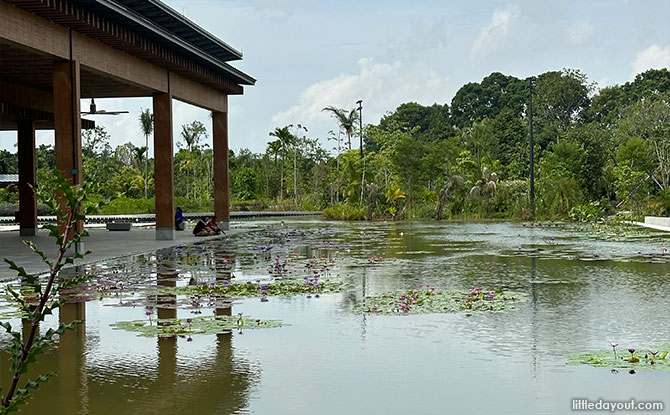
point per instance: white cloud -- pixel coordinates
(381, 86)
(654, 57)
(491, 35)
(580, 32)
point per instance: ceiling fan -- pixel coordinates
(93, 110)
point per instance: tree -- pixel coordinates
(346, 120)
(510, 143)
(649, 119)
(475, 101)
(9, 162)
(424, 123)
(246, 183)
(562, 97)
(125, 154)
(98, 159)
(192, 134)
(285, 140)
(147, 123)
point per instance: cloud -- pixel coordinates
(491, 35)
(381, 86)
(579, 33)
(654, 57)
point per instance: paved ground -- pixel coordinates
(147, 218)
(103, 244)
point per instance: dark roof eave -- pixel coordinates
(236, 75)
(175, 14)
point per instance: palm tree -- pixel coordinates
(346, 120)
(285, 139)
(147, 124)
(273, 150)
(139, 155)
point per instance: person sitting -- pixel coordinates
(214, 226)
(201, 228)
(179, 223)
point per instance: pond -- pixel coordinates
(580, 291)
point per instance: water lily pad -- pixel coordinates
(260, 288)
(193, 326)
(642, 359)
(429, 301)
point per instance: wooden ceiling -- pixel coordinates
(28, 68)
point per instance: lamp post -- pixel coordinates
(532, 169)
(360, 119)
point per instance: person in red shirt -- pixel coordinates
(214, 226)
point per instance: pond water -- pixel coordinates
(582, 292)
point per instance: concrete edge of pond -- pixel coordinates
(104, 245)
(652, 226)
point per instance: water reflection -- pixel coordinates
(380, 364)
(101, 371)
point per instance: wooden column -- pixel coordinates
(27, 177)
(67, 123)
(221, 182)
(164, 170)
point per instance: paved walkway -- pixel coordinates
(103, 245)
(143, 218)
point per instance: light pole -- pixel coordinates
(532, 169)
(360, 119)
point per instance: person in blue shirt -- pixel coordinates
(179, 223)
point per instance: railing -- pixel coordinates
(143, 218)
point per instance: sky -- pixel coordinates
(308, 54)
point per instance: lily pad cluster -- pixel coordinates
(312, 285)
(428, 300)
(615, 231)
(194, 326)
(632, 359)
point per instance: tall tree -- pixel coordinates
(346, 120)
(285, 139)
(192, 134)
(562, 96)
(147, 123)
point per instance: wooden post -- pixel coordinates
(67, 125)
(221, 182)
(164, 169)
(27, 178)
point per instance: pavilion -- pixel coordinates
(53, 53)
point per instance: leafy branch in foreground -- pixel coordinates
(35, 300)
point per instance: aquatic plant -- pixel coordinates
(429, 300)
(240, 322)
(614, 345)
(204, 325)
(285, 287)
(656, 359)
(36, 301)
(149, 312)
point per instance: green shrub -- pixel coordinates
(342, 211)
(587, 213)
(660, 205)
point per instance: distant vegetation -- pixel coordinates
(596, 151)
